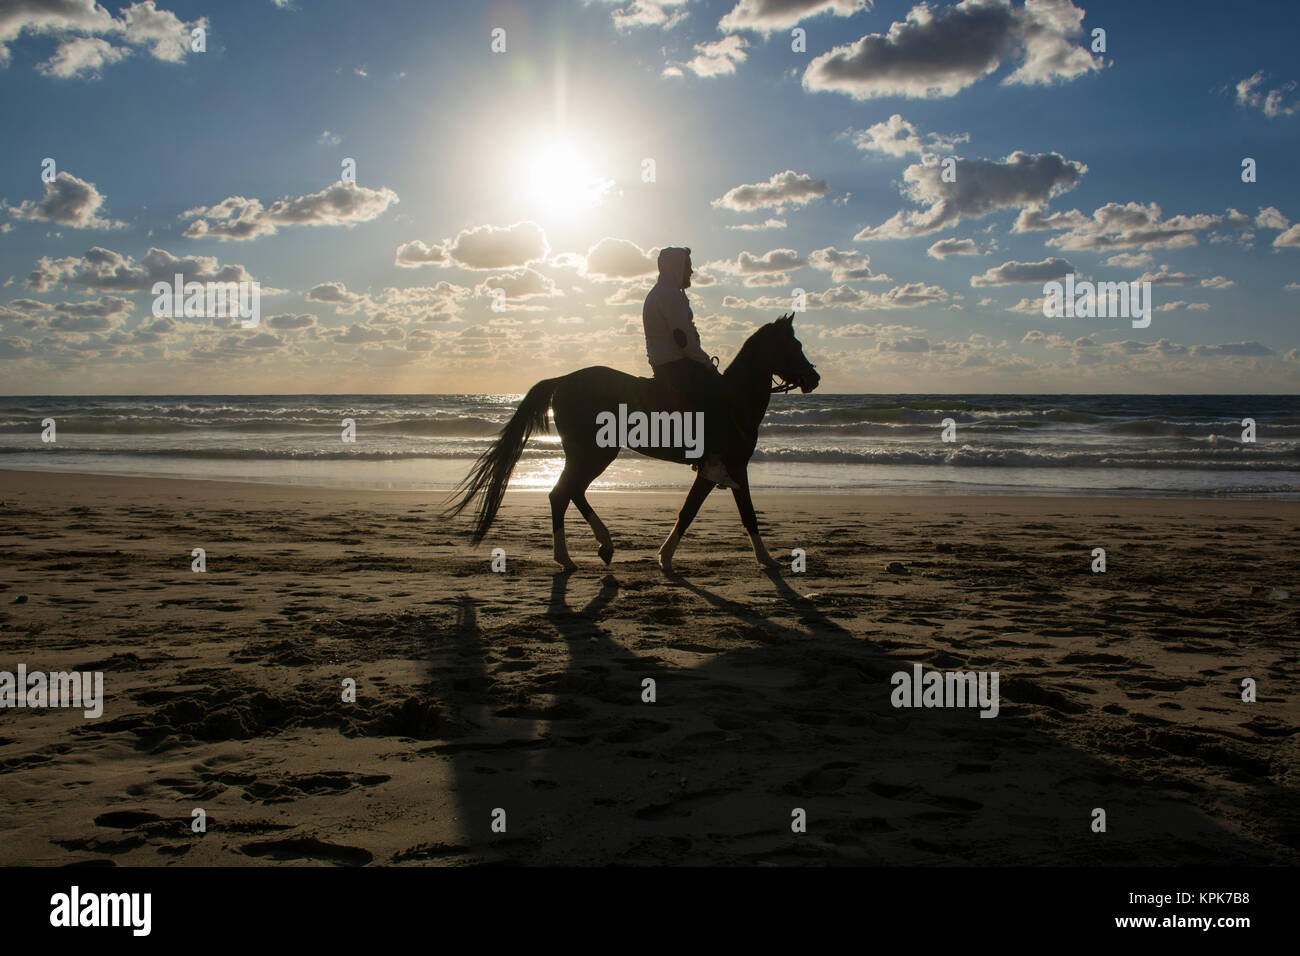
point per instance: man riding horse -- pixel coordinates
(733, 404)
(672, 344)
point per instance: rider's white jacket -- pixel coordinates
(666, 310)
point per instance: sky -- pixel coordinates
(468, 197)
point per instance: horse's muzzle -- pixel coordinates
(809, 380)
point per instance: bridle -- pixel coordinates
(780, 386)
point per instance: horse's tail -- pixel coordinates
(491, 473)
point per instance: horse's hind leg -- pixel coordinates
(690, 508)
(581, 480)
(559, 505)
(606, 549)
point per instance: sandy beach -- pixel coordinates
(479, 692)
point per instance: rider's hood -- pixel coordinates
(672, 264)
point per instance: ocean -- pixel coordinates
(1037, 444)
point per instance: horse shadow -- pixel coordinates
(792, 718)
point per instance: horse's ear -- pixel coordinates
(786, 320)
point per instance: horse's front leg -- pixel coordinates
(690, 508)
(745, 505)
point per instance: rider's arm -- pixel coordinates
(682, 324)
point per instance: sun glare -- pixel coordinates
(560, 178)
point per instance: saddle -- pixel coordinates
(657, 395)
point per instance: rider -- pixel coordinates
(673, 347)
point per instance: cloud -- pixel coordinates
(765, 16)
(91, 315)
(360, 334)
(748, 264)
(981, 186)
(638, 14)
(413, 254)
(1119, 226)
(107, 270)
(524, 284)
(1013, 272)
(86, 32)
(1129, 260)
(81, 57)
(913, 343)
(1163, 276)
(1288, 239)
(290, 322)
(335, 294)
(633, 294)
(1246, 349)
(782, 189)
(1273, 102)
(844, 265)
(940, 53)
(619, 259)
(953, 247)
(1182, 305)
(68, 201)
(908, 296)
(898, 138)
(239, 219)
(769, 223)
(498, 247)
(1270, 217)
(719, 57)
(81, 323)
(1027, 307)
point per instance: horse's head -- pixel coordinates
(784, 354)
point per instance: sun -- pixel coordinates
(560, 178)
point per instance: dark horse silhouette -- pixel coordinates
(579, 397)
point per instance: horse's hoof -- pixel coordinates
(665, 564)
(606, 553)
(566, 564)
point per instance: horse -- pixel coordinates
(578, 399)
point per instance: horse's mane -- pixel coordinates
(744, 358)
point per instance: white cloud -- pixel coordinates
(981, 186)
(498, 247)
(619, 259)
(765, 16)
(1014, 272)
(1272, 102)
(719, 57)
(937, 53)
(68, 201)
(1119, 226)
(107, 270)
(953, 247)
(844, 265)
(241, 219)
(782, 189)
(770, 223)
(898, 138)
(86, 31)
